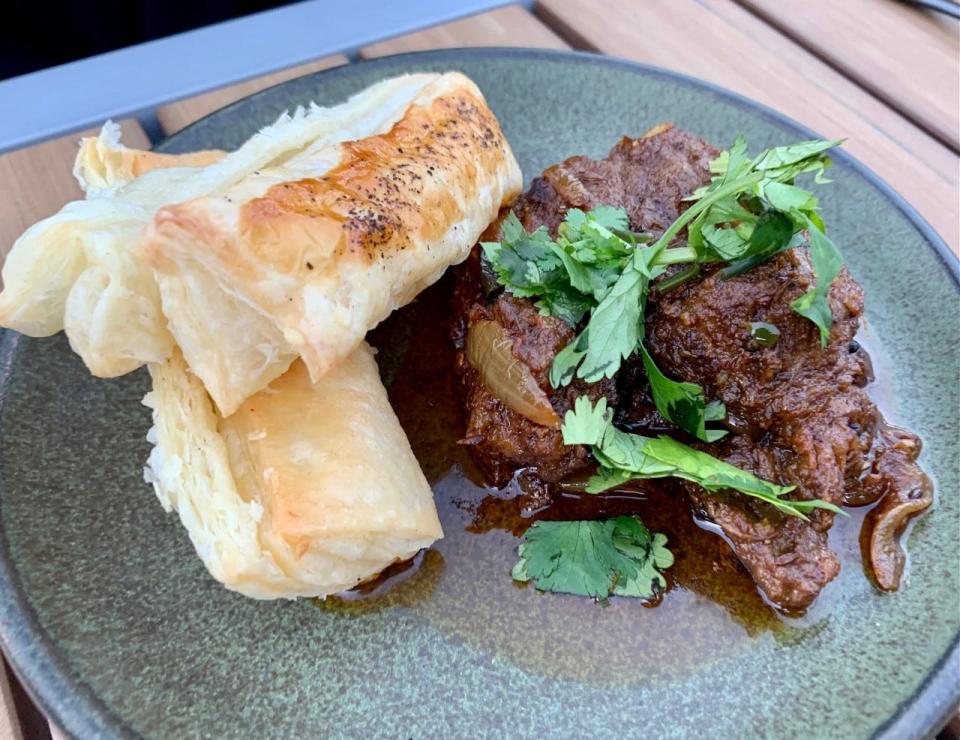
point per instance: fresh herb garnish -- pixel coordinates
(594, 558)
(764, 334)
(683, 403)
(815, 304)
(530, 266)
(570, 275)
(623, 456)
(594, 269)
(750, 211)
(764, 214)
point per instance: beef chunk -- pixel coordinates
(798, 413)
(793, 395)
(501, 440)
(648, 177)
(788, 558)
(801, 410)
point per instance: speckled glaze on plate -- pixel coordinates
(116, 628)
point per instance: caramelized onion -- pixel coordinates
(488, 351)
(908, 492)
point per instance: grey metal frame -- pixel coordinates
(137, 79)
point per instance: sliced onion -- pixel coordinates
(885, 553)
(488, 351)
(907, 494)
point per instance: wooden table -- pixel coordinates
(883, 74)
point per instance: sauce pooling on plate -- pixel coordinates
(415, 355)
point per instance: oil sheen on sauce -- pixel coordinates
(711, 609)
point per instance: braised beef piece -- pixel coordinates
(795, 395)
(798, 412)
(801, 414)
(502, 440)
(648, 177)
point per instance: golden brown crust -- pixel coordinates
(140, 162)
(308, 489)
(386, 190)
(302, 259)
(103, 162)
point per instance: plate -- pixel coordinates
(116, 628)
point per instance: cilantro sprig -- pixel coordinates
(756, 210)
(751, 210)
(623, 456)
(569, 276)
(595, 266)
(594, 558)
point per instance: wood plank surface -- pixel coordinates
(736, 49)
(9, 724)
(175, 116)
(508, 26)
(40, 180)
(908, 58)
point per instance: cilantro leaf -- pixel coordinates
(788, 198)
(531, 265)
(614, 329)
(565, 304)
(569, 557)
(771, 233)
(658, 559)
(567, 276)
(511, 229)
(565, 364)
(623, 456)
(594, 558)
(815, 304)
(607, 477)
(715, 411)
(786, 162)
(681, 403)
(610, 217)
(577, 271)
(740, 266)
(586, 423)
(521, 260)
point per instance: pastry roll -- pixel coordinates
(307, 490)
(302, 258)
(103, 161)
(115, 165)
(79, 270)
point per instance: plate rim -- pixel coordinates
(74, 707)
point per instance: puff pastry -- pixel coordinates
(302, 258)
(297, 496)
(103, 161)
(307, 490)
(78, 270)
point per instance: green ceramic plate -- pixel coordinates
(116, 628)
